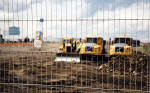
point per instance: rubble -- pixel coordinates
(38, 72)
(135, 64)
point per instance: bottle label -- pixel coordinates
(39, 35)
(38, 39)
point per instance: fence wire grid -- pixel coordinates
(74, 46)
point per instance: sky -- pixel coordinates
(59, 13)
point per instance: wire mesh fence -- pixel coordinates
(74, 46)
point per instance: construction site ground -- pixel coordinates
(24, 69)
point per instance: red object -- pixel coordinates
(15, 44)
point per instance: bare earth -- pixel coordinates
(26, 69)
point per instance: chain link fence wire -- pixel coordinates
(31, 34)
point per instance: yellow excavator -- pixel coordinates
(67, 45)
(69, 49)
(121, 46)
(92, 48)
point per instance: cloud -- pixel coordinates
(15, 6)
(103, 5)
(124, 27)
(77, 9)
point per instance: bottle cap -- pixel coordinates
(41, 20)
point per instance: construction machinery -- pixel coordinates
(69, 50)
(92, 48)
(69, 45)
(121, 46)
(136, 43)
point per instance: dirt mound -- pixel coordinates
(136, 64)
(38, 72)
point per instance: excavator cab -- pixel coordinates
(68, 50)
(67, 45)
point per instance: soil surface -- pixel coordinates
(37, 72)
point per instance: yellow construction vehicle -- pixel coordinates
(69, 45)
(121, 46)
(92, 47)
(69, 50)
